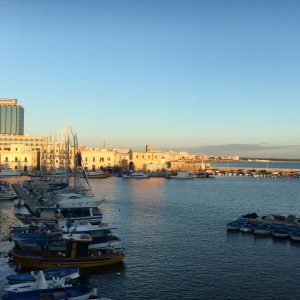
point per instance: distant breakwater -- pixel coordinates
(289, 166)
(258, 169)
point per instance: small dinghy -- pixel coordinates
(79, 292)
(61, 273)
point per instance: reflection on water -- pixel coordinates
(176, 242)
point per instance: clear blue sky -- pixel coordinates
(218, 76)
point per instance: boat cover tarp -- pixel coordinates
(250, 216)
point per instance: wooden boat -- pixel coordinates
(78, 253)
(80, 292)
(64, 272)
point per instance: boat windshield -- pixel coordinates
(76, 212)
(96, 211)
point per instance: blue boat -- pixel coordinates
(262, 230)
(247, 228)
(295, 236)
(79, 292)
(233, 226)
(280, 233)
(64, 272)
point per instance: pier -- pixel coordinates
(29, 200)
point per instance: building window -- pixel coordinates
(108, 159)
(93, 159)
(137, 156)
(142, 156)
(155, 156)
(6, 159)
(16, 149)
(86, 159)
(16, 159)
(148, 156)
(25, 159)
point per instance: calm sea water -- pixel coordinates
(176, 242)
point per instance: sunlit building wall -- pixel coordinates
(94, 158)
(18, 157)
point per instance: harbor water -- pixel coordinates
(177, 246)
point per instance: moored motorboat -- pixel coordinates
(70, 272)
(136, 175)
(247, 228)
(233, 226)
(49, 215)
(80, 292)
(262, 230)
(204, 175)
(96, 174)
(295, 236)
(39, 283)
(182, 175)
(280, 233)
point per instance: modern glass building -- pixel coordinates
(11, 117)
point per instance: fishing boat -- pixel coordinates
(101, 234)
(70, 272)
(136, 175)
(78, 253)
(96, 174)
(50, 237)
(79, 292)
